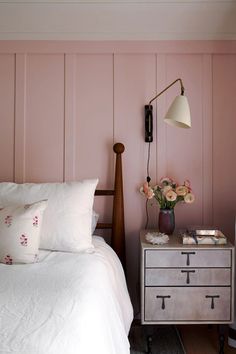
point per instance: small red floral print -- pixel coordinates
(35, 221)
(8, 220)
(8, 259)
(23, 240)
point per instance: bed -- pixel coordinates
(62, 291)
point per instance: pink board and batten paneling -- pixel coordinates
(134, 82)
(7, 104)
(39, 132)
(64, 104)
(185, 148)
(224, 141)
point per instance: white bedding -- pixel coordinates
(67, 303)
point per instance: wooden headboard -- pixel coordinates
(117, 225)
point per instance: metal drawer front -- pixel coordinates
(187, 304)
(188, 258)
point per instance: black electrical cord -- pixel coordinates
(148, 162)
(147, 216)
(148, 181)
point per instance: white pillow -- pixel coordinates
(68, 217)
(20, 232)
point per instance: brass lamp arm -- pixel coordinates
(159, 94)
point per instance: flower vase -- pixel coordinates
(166, 221)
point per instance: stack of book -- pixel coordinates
(203, 237)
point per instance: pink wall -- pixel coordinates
(63, 104)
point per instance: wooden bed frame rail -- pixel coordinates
(117, 225)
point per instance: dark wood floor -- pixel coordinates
(202, 339)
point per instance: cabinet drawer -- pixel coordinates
(187, 304)
(188, 257)
(188, 277)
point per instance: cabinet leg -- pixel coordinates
(222, 331)
(149, 344)
(221, 343)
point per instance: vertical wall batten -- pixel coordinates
(64, 122)
(113, 100)
(14, 125)
(70, 117)
(207, 139)
(20, 117)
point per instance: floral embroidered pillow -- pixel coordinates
(20, 232)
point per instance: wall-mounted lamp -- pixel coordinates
(177, 115)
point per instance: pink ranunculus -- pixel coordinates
(166, 189)
(187, 183)
(189, 198)
(145, 187)
(147, 192)
(181, 190)
(166, 180)
(171, 196)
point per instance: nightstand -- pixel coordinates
(184, 284)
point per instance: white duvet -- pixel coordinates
(67, 303)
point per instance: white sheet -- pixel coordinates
(67, 303)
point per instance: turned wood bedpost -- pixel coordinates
(118, 227)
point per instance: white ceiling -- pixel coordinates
(118, 20)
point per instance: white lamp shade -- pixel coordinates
(178, 114)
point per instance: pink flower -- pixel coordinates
(8, 259)
(181, 190)
(189, 198)
(147, 191)
(8, 220)
(168, 193)
(23, 240)
(166, 189)
(166, 180)
(35, 221)
(171, 196)
(145, 187)
(187, 183)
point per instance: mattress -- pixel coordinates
(67, 303)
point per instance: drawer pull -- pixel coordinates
(188, 278)
(187, 254)
(163, 297)
(212, 297)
